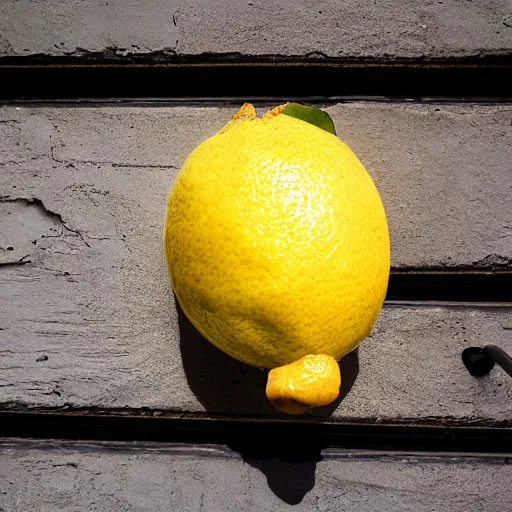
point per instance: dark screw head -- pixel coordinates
(476, 361)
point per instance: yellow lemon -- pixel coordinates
(277, 247)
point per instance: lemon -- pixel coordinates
(277, 247)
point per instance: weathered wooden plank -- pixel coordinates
(107, 170)
(104, 357)
(87, 314)
(166, 29)
(135, 476)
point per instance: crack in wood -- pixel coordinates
(21, 261)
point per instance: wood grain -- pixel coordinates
(167, 30)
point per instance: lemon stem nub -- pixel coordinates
(312, 381)
(247, 111)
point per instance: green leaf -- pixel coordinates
(311, 115)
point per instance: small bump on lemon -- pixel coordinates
(312, 381)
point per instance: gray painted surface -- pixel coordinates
(49, 476)
(107, 172)
(85, 284)
(326, 29)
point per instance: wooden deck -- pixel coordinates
(88, 324)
